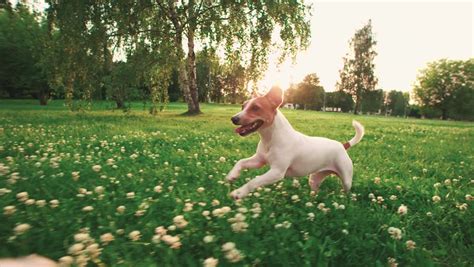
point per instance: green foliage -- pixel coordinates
(121, 84)
(308, 94)
(446, 88)
(339, 99)
(397, 103)
(22, 48)
(357, 75)
(242, 30)
(372, 101)
(414, 159)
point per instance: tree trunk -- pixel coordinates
(182, 73)
(43, 98)
(357, 104)
(192, 82)
(119, 103)
(444, 114)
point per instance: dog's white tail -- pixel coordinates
(358, 136)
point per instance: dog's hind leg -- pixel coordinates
(317, 178)
(345, 171)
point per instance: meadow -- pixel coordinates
(104, 187)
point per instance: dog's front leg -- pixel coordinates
(253, 162)
(271, 176)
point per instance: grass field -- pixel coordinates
(100, 184)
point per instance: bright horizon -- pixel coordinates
(408, 35)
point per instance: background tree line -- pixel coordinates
(144, 50)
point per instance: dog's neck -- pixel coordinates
(279, 129)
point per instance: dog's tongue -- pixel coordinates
(240, 130)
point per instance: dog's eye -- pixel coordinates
(255, 108)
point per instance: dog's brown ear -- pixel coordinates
(275, 96)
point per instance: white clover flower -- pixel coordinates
(233, 256)
(345, 231)
(172, 227)
(309, 204)
(41, 203)
(462, 206)
(75, 175)
(188, 207)
(54, 203)
(160, 230)
(110, 162)
(96, 168)
(156, 239)
(311, 216)
(402, 210)
(286, 224)
(30, 202)
(131, 195)
(172, 241)
(21, 228)
(134, 235)
(393, 197)
(371, 196)
(4, 191)
(210, 262)
(121, 209)
(66, 261)
(222, 159)
(392, 262)
(81, 237)
(76, 249)
(380, 199)
(99, 189)
(215, 202)
(107, 238)
(295, 198)
(296, 183)
(377, 180)
(395, 233)
(179, 221)
(228, 246)
(436, 199)
(410, 244)
(469, 197)
(158, 189)
(23, 196)
(9, 210)
(88, 208)
(436, 185)
(208, 239)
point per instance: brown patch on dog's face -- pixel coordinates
(258, 112)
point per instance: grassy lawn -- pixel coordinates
(111, 174)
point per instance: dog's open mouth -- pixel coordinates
(249, 128)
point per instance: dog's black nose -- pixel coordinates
(235, 119)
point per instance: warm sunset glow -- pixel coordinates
(403, 45)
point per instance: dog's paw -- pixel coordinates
(239, 193)
(232, 176)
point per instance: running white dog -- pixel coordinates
(288, 152)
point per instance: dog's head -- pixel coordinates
(258, 112)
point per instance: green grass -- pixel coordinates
(44, 145)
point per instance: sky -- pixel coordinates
(408, 35)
